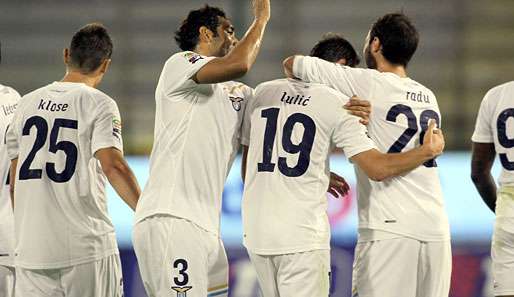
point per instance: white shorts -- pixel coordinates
(7, 280)
(93, 279)
(402, 267)
(502, 252)
(176, 256)
(305, 274)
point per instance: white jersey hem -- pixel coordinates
(64, 264)
(158, 212)
(445, 237)
(285, 251)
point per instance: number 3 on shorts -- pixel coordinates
(183, 277)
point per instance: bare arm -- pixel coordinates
(288, 67)
(243, 162)
(241, 58)
(379, 166)
(482, 161)
(119, 175)
(12, 179)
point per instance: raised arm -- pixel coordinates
(241, 58)
(379, 166)
(120, 175)
(481, 163)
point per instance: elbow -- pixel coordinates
(378, 175)
(241, 69)
(288, 66)
(476, 177)
(114, 168)
(288, 63)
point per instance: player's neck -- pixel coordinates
(396, 69)
(204, 49)
(77, 77)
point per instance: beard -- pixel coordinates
(371, 62)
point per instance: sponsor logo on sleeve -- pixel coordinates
(193, 57)
(116, 128)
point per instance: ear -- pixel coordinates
(105, 65)
(341, 62)
(66, 56)
(206, 34)
(376, 46)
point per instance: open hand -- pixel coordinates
(338, 186)
(359, 107)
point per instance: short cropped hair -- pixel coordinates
(398, 37)
(90, 47)
(188, 34)
(333, 47)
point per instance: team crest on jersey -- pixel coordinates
(193, 57)
(182, 291)
(116, 128)
(236, 102)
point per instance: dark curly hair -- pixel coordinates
(398, 37)
(89, 47)
(187, 35)
(333, 47)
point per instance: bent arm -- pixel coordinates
(379, 166)
(481, 163)
(241, 58)
(119, 175)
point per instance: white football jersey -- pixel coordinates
(8, 102)
(409, 205)
(60, 205)
(291, 127)
(495, 124)
(196, 138)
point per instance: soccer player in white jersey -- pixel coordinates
(494, 134)
(291, 128)
(199, 114)
(403, 226)
(65, 143)
(8, 101)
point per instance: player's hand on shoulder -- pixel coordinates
(359, 107)
(338, 186)
(433, 141)
(261, 10)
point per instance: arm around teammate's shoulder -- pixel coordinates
(120, 175)
(242, 57)
(379, 166)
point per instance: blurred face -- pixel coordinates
(371, 61)
(226, 38)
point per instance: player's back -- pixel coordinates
(411, 204)
(495, 125)
(291, 128)
(60, 203)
